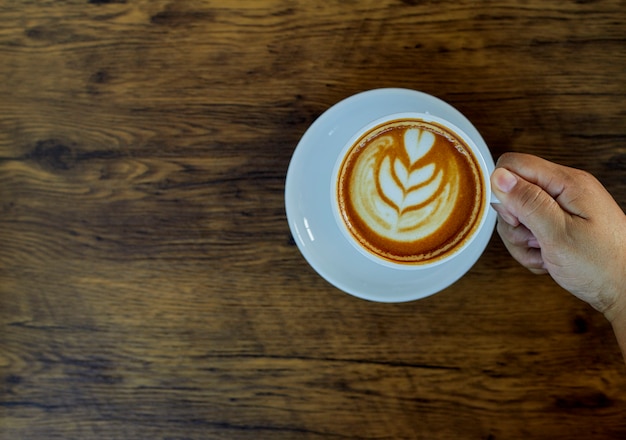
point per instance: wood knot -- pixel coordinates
(589, 400)
(100, 77)
(580, 325)
(176, 17)
(617, 162)
(52, 153)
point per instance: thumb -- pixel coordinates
(528, 203)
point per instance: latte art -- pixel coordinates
(410, 191)
(403, 195)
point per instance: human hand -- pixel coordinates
(562, 221)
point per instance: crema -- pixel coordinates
(410, 191)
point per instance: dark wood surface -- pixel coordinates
(149, 284)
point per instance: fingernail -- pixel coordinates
(504, 180)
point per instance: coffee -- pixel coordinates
(410, 192)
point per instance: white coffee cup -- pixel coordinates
(465, 140)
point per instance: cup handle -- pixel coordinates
(493, 200)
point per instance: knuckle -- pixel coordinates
(583, 175)
(533, 199)
(576, 178)
(581, 190)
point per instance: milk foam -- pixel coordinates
(399, 191)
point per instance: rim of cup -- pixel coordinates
(428, 118)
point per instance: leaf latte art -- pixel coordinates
(410, 191)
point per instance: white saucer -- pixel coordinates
(311, 219)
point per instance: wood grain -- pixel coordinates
(149, 285)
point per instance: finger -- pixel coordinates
(530, 204)
(529, 257)
(518, 235)
(505, 215)
(571, 188)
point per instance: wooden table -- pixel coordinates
(149, 284)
